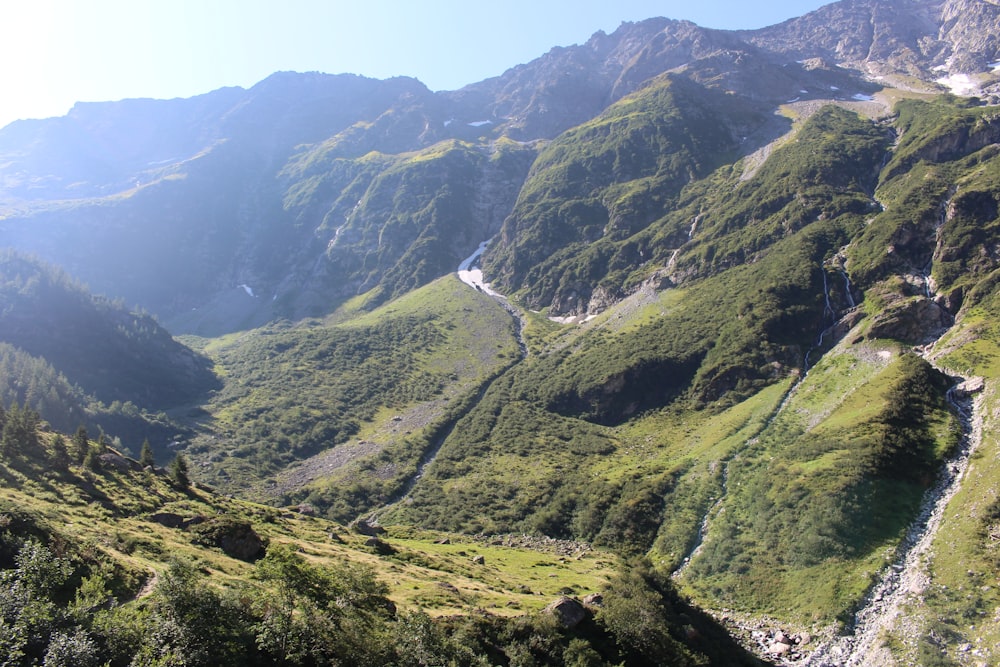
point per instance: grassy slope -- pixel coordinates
(570, 444)
(394, 400)
(957, 604)
(107, 512)
(532, 457)
(793, 542)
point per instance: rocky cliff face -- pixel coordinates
(239, 206)
(951, 43)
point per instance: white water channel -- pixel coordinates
(470, 273)
(907, 575)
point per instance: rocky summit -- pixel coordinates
(678, 346)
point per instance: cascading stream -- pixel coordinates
(829, 315)
(470, 274)
(906, 575)
(847, 290)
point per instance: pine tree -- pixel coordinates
(91, 460)
(20, 431)
(60, 452)
(81, 442)
(102, 442)
(146, 458)
(179, 472)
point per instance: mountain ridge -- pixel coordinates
(717, 264)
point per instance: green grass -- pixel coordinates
(512, 581)
(806, 502)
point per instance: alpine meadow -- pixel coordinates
(677, 347)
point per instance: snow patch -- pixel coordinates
(861, 97)
(959, 84)
(480, 123)
(995, 66)
(834, 88)
(248, 290)
(449, 122)
(470, 273)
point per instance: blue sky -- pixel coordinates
(54, 53)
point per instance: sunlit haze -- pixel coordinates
(58, 52)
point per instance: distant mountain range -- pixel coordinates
(747, 328)
(194, 197)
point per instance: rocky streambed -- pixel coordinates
(907, 577)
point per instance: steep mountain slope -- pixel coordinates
(84, 360)
(948, 40)
(749, 324)
(254, 184)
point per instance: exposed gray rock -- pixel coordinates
(915, 321)
(365, 527)
(568, 611)
(971, 386)
(117, 461)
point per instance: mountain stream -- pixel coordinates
(830, 319)
(470, 274)
(907, 576)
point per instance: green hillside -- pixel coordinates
(108, 563)
(732, 361)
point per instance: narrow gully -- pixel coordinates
(470, 274)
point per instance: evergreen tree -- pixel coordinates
(146, 458)
(179, 472)
(10, 433)
(60, 452)
(81, 442)
(91, 460)
(20, 431)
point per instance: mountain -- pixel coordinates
(84, 360)
(738, 317)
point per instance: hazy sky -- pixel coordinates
(57, 52)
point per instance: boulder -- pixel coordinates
(365, 527)
(779, 649)
(567, 611)
(167, 519)
(111, 460)
(244, 544)
(593, 600)
(236, 538)
(381, 547)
